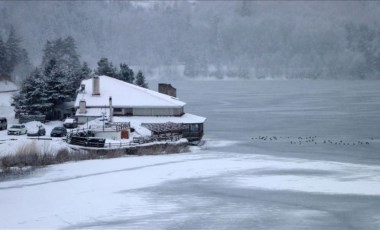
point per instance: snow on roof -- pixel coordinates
(124, 95)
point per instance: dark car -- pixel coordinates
(38, 131)
(58, 132)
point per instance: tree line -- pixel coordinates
(12, 56)
(57, 79)
(252, 39)
(124, 73)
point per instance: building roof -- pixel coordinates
(124, 95)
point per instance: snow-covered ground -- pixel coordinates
(7, 86)
(199, 190)
(11, 144)
(248, 175)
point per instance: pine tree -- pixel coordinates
(140, 80)
(56, 86)
(11, 54)
(106, 67)
(85, 72)
(63, 51)
(24, 68)
(126, 74)
(48, 53)
(55, 82)
(2, 60)
(13, 51)
(66, 64)
(32, 98)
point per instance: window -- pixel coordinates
(128, 111)
(194, 128)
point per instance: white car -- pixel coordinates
(70, 123)
(17, 129)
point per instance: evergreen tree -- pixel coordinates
(24, 68)
(13, 51)
(48, 53)
(126, 74)
(3, 72)
(56, 87)
(63, 51)
(106, 67)
(70, 55)
(32, 98)
(365, 42)
(11, 55)
(55, 82)
(140, 80)
(85, 72)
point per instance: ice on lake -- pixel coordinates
(278, 155)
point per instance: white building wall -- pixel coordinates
(114, 135)
(142, 112)
(82, 120)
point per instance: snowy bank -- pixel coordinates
(32, 155)
(6, 86)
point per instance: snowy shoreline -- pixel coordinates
(33, 158)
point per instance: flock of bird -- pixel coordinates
(310, 140)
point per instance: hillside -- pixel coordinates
(292, 39)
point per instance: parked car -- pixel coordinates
(70, 123)
(3, 123)
(58, 132)
(17, 129)
(38, 131)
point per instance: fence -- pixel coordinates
(85, 137)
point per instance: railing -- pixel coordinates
(193, 136)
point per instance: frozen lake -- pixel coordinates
(279, 155)
(346, 111)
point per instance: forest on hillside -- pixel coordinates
(246, 39)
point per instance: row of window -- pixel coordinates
(148, 111)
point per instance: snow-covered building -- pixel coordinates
(119, 101)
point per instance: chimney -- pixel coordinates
(82, 107)
(167, 89)
(111, 110)
(82, 87)
(95, 86)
